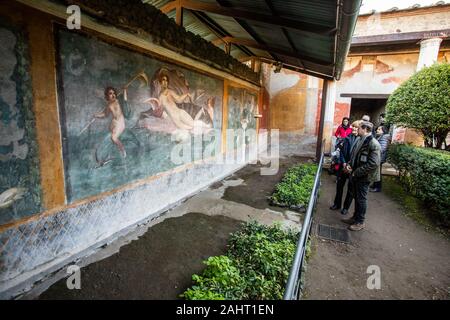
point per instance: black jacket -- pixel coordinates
(346, 148)
(365, 161)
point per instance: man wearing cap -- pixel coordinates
(363, 169)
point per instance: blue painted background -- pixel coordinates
(20, 191)
(87, 66)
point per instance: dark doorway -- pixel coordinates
(371, 107)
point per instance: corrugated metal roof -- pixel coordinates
(193, 25)
(157, 3)
(271, 35)
(317, 11)
(258, 6)
(317, 46)
(304, 35)
(231, 26)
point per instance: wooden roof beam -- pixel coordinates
(284, 52)
(174, 5)
(216, 29)
(295, 68)
(169, 7)
(248, 15)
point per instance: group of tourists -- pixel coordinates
(361, 150)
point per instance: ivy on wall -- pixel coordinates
(137, 17)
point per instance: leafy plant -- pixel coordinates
(425, 173)
(256, 266)
(423, 102)
(220, 280)
(264, 254)
(295, 188)
(199, 293)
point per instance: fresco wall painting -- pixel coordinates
(123, 112)
(20, 191)
(242, 108)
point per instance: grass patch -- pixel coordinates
(412, 207)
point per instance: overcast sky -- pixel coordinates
(383, 5)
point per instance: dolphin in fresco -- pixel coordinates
(10, 196)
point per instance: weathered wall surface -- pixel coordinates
(92, 187)
(379, 74)
(288, 101)
(427, 20)
(371, 75)
(295, 99)
(294, 110)
(418, 20)
(242, 106)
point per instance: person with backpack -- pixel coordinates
(342, 176)
(341, 133)
(363, 168)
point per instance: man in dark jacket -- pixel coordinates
(342, 177)
(363, 169)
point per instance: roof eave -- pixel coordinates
(347, 15)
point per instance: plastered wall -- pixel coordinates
(377, 74)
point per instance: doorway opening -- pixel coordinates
(371, 107)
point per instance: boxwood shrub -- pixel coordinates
(256, 266)
(425, 173)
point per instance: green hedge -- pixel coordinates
(422, 102)
(295, 188)
(426, 174)
(256, 266)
